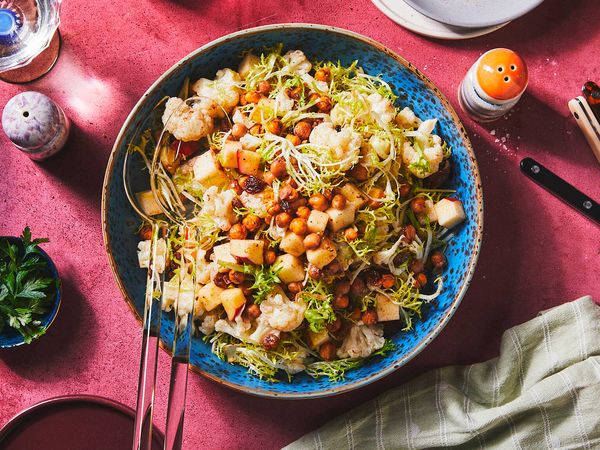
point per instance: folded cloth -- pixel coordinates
(543, 391)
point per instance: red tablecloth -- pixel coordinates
(536, 252)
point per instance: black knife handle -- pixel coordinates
(563, 190)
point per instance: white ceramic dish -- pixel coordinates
(411, 19)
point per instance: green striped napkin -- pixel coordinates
(543, 391)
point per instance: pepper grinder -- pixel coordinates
(493, 85)
(35, 124)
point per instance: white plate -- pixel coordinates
(473, 13)
(413, 20)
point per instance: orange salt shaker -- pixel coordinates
(493, 85)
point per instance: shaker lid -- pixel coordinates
(502, 74)
(31, 120)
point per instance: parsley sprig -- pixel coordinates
(26, 286)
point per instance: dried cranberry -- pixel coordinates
(373, 278)
(222, 280)
(253, 185)
(270, 341)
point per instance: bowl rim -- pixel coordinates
(57, 293)
(457, 122)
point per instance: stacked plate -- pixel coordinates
(454, 19)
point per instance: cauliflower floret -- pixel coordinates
(249, 61)
(224, 89)
(433, 154)
(250, 142)
(382, 109)
(351, 106)
(262, 329)
(205, 270)
(282, 314)
(297, 62)
(208, 324)
(283, 103)
(218, 205)
(241, 118)
(257, 203)
(189, 123)
(407, 118)
(361, 341)
(314, 85)
(144, 254)
(344, 143)
(238, 329)
(170, 293)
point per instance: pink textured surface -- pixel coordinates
(537, 252)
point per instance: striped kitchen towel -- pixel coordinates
(543, 391)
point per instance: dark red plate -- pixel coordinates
(81, 422)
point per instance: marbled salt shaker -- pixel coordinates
(35, 124)
(493, 85)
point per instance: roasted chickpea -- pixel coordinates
(256, 130)
(238, 231)
(438, 261)
(333, 268)
(314, 272)
(294, 287)
(283, 219)
(237, 203)
(358, 288)
(374, 194)
(243, 101)
(269, 257)
(288, 193)
(275, 126)
(356, 315)
(251, 222)
(341, 301)
(338, 201)
(318, 202)
(252, 312)
(270, 341)
(299, 226)
(303, 212)
(369, 317)
(269, 178)
(324, 104)
(388, 281)
(312, 241)
(420, 281)
(146, 232)
(296, 92)
(351, 234)
(273, 210)
(252, 97)
(314, 97)
(416, 266)
(264, 87)
(323, 74)
(359, 172)
(238, 130)
(334, 326)
(341, 287)
(278, 168)
(236, 277)
(418, 205)
(409, 233)
(302, 129)
(294, 139)
(327, 351)
(291, 182)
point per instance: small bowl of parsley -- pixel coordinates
(29, 290)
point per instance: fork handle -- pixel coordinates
(176, 409)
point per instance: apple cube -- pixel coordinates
(222, 253)
(248, 162)
(315, 340)
(322, 255)
(292, 243)
(317, 221)
(341, 218)
(208, 172)
(263, 111)
(290, 268)
(449, 212)
(233, 301)
(210, 296)
(247, 250)
(228, 156)
(147, 202)
(354, 196)
(249, 61)
(386, 309)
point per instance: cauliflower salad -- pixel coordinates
(321, 209)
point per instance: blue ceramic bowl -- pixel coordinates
(9, 336)
(415, 90)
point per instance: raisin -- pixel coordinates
(253, 185)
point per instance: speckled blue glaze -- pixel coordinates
(9, 336)
(323, 43)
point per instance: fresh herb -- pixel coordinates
(318, 298)
(26, 287)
